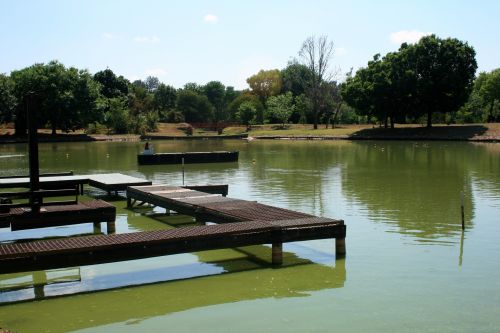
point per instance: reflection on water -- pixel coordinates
(405, 248)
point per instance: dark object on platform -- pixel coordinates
(189, 157)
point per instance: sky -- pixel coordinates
(228, 41)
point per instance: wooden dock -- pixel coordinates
(95, 211)
(188, 157)
(106, 181)
(243, 223)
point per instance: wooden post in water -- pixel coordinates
(340, 246)
(31, 116)
(462, 209)
(97, 227)
(183, 171)
(110, 225)
(277, 253)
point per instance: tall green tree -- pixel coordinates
(66, 97)
(195, 107)
(112, 85)
(296, 78)
(164, 99)
(7, 99)
(215, 92)
(265, 84)
(281, 107)
(234, 106)
(445, 70)
(246, 113)
(490, 93)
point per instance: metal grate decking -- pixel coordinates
(244, 223)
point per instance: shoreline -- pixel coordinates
(138, 138)
(467, 133)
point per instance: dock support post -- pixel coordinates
(39, 282)
(110, 225)
(340, 246)
(277, 253)
(97, 227)
(129, 202)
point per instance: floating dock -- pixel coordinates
(95, 211)
(106, 181)
(188, 157)
(244, 223)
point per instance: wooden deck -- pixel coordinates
(70, 252)
(243, 223)
(94, 211)
(105, 181)
(207, 207)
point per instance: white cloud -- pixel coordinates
(407, 36)
(210, 18)
(147, 39)
(108, 35)
(340, 51)
(156, 72)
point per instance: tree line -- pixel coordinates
(429, 81)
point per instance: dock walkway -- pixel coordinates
(243, 223)
(106, 181)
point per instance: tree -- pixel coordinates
(233, 107)
(195, 87)
(111, 85)
(215, 92)
(194, 107)
(296, 78)
(265, 84)
(7, 98)
(152, 83)
(66, 97)
(164, 100)
(117, 117)
(246, 113)
(316, 54)
(444, 69)
(490, 93)
(281, 107)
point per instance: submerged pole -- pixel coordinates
(462, 209)
(31, 116)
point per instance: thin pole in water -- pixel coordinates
(462, 209)
(183, 171)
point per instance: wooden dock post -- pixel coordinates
(340, 246)
(97, 227)
(110, 225)
(277, 253)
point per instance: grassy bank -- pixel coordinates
(469, 132)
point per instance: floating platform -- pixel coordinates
(243, 223)
(94, 211)
(188, 157)
(106, 181)
(70, 252)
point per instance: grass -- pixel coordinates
(479, 132)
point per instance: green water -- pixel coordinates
(409, 267)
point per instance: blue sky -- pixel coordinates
(200, 41)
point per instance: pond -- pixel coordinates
(409, 267)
